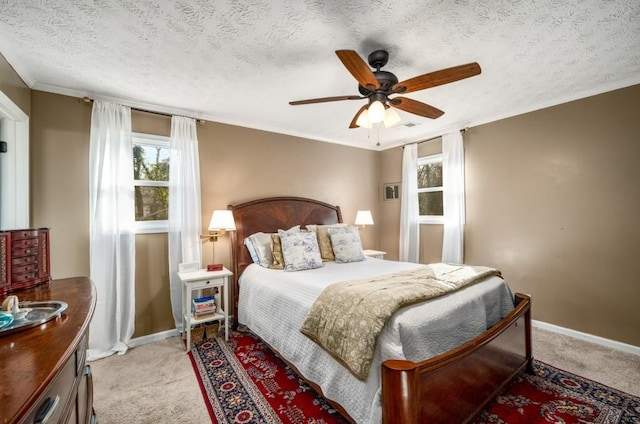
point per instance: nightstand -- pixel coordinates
(374, 253)
(200, 280)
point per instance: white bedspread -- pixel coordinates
(274, 304)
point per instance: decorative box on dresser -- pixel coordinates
(24, 259)
(43, 374)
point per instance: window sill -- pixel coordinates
(438, 220)
(151, 227)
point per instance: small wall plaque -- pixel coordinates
(188, 266)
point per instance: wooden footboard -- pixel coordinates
(454, 387)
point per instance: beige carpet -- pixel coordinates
(155, 383)
(611, 367)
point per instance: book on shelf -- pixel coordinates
(203, 306)
(204, 315)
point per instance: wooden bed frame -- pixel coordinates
(450, 388)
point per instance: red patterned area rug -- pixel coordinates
(242, 381)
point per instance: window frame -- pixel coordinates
(157, 226)
(426, 160)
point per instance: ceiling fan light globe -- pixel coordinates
(363, 120)
(391, 118)
(376, 112)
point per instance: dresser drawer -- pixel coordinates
(20, 244)
(23, 269)
(52, 404)
(25, 260)
(24, 251)
(19, 278)
(24, 234)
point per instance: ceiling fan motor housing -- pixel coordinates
(386, 80)
(377, 59)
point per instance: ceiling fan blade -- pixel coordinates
(325, 99)
(355, 118)
(434, 79)
(416, 107)
(358, 68)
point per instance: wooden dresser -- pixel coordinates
(24, 259)
(43, 369)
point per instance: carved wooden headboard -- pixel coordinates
(269, 215)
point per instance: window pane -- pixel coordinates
(430, 175)
(430, 203)
(152, 203)
(150, 162)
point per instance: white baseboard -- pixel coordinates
(587, 337)
(155, 337)
(635, 350)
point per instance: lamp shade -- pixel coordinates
(376, 112)
(391, 117)
(364, 218)
(222, 220)
(363, 120)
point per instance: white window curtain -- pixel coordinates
(112, 236)
(409, 212)
(453, 199)
(185, 214)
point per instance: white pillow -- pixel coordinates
(300, 251)
(259, 245)
(346, 244)
(252, 250)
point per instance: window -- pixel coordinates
(430, 190)
(151, 182)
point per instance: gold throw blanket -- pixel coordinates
(347, 318)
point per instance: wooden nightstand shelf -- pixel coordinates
(374, 253)
(200, 280)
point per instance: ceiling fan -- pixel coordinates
(377, 86)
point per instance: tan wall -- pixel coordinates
(13, 87)
(59, 174)
(552, 200)
(237, 164)
(153, 301)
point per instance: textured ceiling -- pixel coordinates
(241, 62)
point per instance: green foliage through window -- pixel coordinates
(430, 202)
(151, 174)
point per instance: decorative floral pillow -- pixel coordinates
(324, 241)
(276, 247)
(346, 243)
(300, 251)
